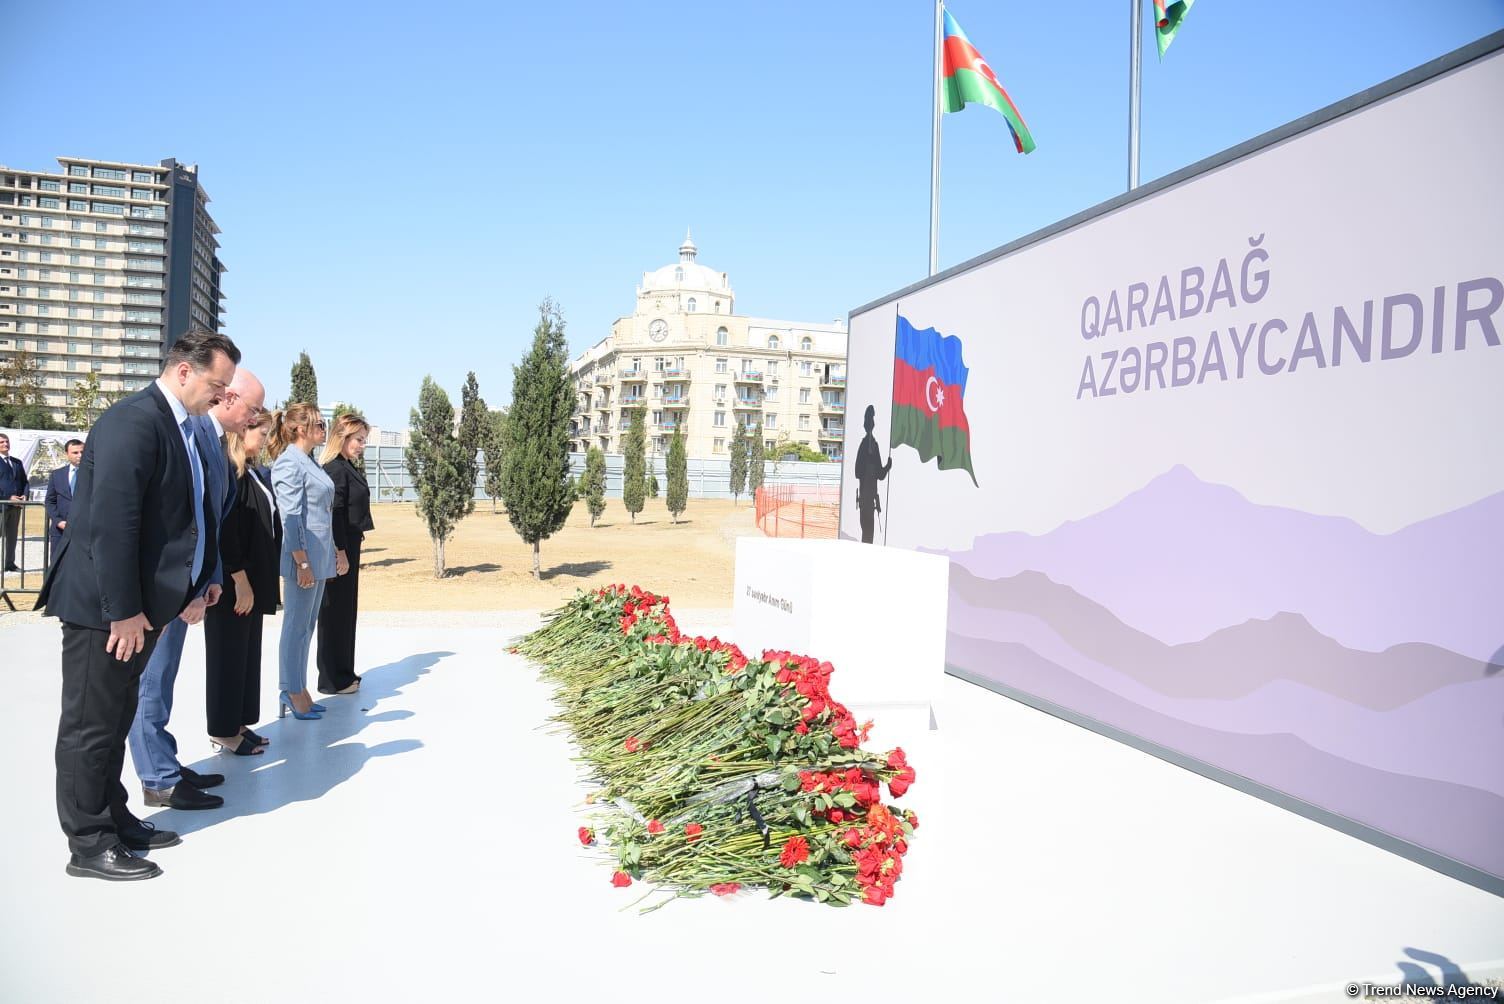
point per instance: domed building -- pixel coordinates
(687, 358)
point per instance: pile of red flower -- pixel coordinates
(720, 772)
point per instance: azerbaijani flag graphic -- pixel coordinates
(968, 79)
(929, 384)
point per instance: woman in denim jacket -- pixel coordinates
(305, 500)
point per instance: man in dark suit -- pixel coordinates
(12, 489)
(138, 548)
(164, 780)
(60, 495)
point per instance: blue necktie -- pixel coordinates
(72, 479)
(198, 499)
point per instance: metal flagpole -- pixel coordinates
(1135, 72)
(935, 141)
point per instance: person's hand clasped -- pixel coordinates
(212, 595)
(127, 637)
(194, 612)
(245, 597)
(305, 578)
(341, 563)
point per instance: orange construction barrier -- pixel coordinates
(812, 511)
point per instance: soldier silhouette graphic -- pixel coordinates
(870, 469)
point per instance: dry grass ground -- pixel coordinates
(490, 568)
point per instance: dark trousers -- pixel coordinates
(99, 703)
(232, 688)
(12, 529)
(337, 625)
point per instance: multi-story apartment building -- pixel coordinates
(687, 358)
(103, 265)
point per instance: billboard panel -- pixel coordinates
(1219, 469)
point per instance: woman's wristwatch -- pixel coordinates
(302, 566)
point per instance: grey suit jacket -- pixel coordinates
(305, 500)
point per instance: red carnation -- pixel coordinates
(587, 836)
(794, 852)
(726, 888)
(655, 827)
(621, 880)
(632, 745)
(693, 831)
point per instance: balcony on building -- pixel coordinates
(831, 377)
(746, 403)
(602, 377)
(832, 432)
(832, 407)
(749, 376)
(675, 375)
(676, 400)
(633, 376)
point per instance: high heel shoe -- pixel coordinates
(286, 705)
(315, 706)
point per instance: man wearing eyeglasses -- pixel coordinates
(164, 780)
(142, 534)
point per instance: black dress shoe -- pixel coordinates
(145, 836)
(201, 781)
(181, 796)
(114, 865)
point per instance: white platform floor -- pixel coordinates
(418, 845)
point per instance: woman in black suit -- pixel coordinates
(250, 545)
(352, 520)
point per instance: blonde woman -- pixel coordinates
(305, 500)
(352, 520)
(250, 548)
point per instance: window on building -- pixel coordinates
(718, 306)
(75, 224)
(657, 419)
(100, 244)
(48, 185)
(720, 366)
(770, 420)
(659, 363)
(141, 193)
(98, 313)
(678, 274)
(720, 419)
(143, 176)
(100, 261)
(720, 392)
(804, 367)
(722, 336)
(772, 341)
(100, 227)
(109, 173)
(803, 422)
(773, 368)
(78, 171)
(719, 447)
(691, 305)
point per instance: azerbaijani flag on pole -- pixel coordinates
(929, 384)
(1167, 17)
(967, 79)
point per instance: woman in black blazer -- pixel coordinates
(352, 520)
(250, 545)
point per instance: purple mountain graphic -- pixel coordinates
(1181, 559)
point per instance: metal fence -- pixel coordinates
(24, 541)
(808, 511)
(386, 470)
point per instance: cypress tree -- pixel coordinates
(756, 455)
(436, 463)
(634, 477)
(678, 475)
(494, 444)
(473, 425)
(595, 482)
(738, 462)
(536, 485)
(305, 383)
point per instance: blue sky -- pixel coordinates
(400, 184)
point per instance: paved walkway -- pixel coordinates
(418, 845)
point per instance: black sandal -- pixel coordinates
(253, 737)
(244, 748)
